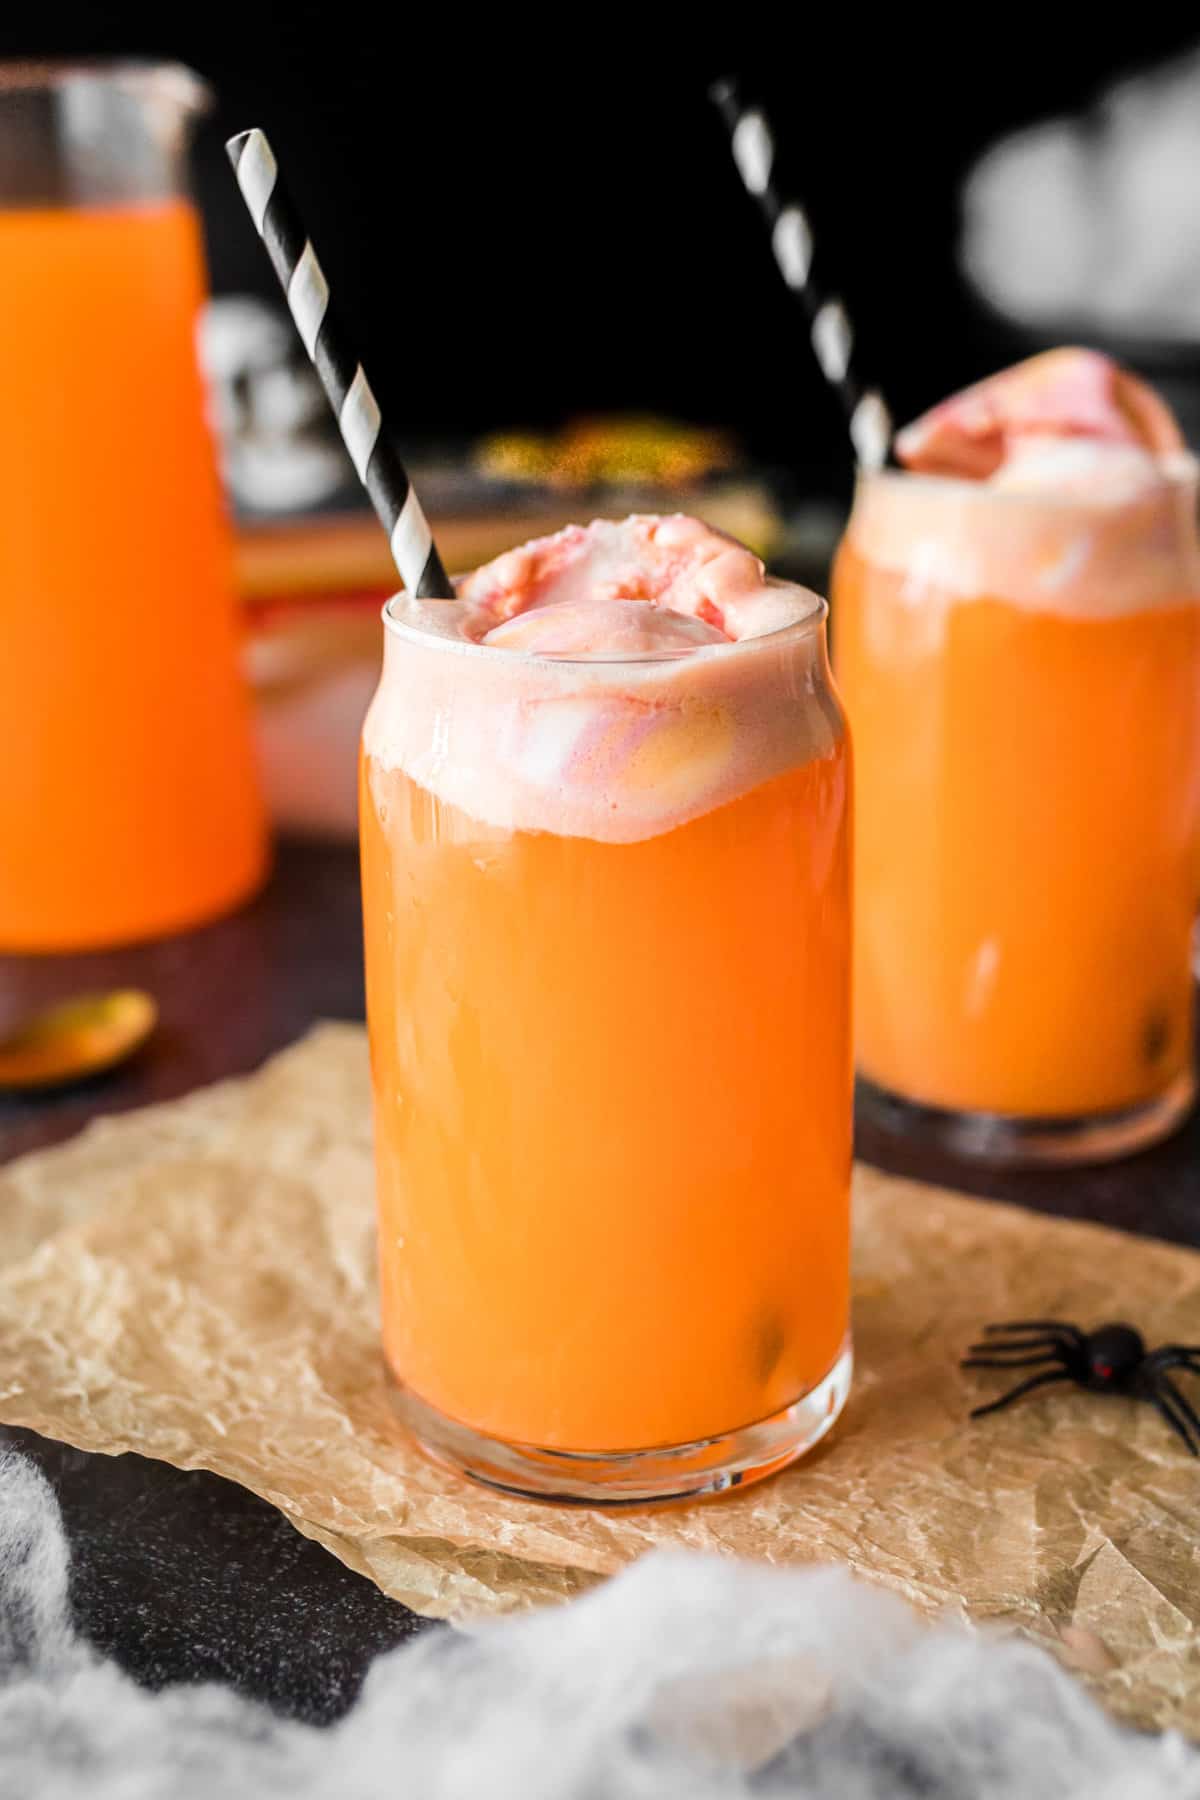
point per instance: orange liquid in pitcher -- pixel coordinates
(129, 803)
(612, 1112)
(1025, 815)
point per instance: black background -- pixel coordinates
(526, 221)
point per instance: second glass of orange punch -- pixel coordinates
(1017, 637)
(605, 798)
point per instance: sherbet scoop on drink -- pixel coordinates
(1062, 484)
(1061, 419)
(622, 678)
(614, 588)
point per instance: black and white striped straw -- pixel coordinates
(829, 327)
(372, 451)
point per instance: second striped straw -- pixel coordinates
(347, 389)
(830, 332)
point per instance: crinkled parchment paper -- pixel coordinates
(196, 1283)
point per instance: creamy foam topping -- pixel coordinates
(613, 681)
(1061, 485)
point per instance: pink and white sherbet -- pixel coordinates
(614, 681)
(1067, 394)
(1062, 484)
(632, 587)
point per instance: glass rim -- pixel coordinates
(160, 77)
(1178, 471)
(810, 623)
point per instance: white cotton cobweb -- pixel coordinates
(686, 1678)
(1092, 219)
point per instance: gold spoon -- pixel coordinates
(75, 1038)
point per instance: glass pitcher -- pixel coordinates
(129, 801)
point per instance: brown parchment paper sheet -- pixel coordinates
(196, 1282)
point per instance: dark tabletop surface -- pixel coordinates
(183, 1576)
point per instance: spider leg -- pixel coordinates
(1159, 1400)
(1071, 1332)
(1172, 1356)
(1164, 1388)
(1023, 1387)
(1008, 1362)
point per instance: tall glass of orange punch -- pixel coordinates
(606, 877)
(1017, 635)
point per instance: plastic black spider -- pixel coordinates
(1110, 1360)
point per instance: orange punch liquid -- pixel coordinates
(129, 805)
(612, 1079)
(1028, 753)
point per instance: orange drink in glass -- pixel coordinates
(131, 804)
(1021, 666)
(606, 900)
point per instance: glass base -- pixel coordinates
(1008, 1142)
(633, 1477)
